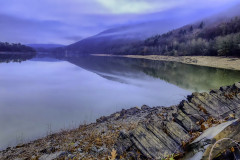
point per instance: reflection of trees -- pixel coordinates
(15, 57)
(191, 77)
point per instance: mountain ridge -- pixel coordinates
(130, 39)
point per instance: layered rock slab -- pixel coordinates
(168, 130)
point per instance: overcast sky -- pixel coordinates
(67, 21)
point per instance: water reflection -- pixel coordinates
(6, 57)
(46, 94)
(191, 77)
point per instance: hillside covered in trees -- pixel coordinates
(14, 47)
(220, 38)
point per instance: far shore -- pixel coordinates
(232, 63)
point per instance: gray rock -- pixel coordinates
(48, 150)
(132, 111)
(101, 119)
(145, 107)
(237, 85)
(102, 149)
(71, 156)
(51, 156)
(76, 144)
(94, 149)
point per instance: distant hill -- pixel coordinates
(111, 40)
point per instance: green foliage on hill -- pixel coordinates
(14, 47)
(218, 39)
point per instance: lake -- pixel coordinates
(40, 96)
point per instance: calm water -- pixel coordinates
(42, 95)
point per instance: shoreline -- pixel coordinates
(120, 135)
(207, 61)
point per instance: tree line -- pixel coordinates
(14, 47)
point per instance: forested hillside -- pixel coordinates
(14, 47)
(203, 38)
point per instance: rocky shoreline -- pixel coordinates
(205, 126)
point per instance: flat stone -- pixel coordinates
(51, 156)
(237, 85)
